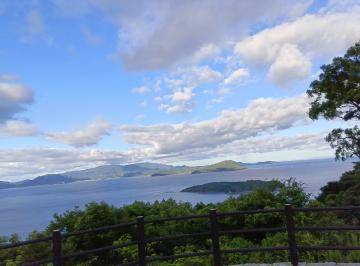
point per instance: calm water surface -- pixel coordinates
(25, 209)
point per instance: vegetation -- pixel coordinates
(101, 214)
(336, 94)
(231, 187)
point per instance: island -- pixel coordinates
(232, 187)
(223, 166)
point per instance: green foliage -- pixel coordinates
(336, 94)
(346, 142)
(231, 187)
(346, 191)
(100, 214)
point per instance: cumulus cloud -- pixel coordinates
(206, 52)
(238, 76)
(290, 65)
(295, 43)
(18, 128)
(260, 145)
(260, 116)
(182, 83)
(90, 135)
(14, 98)
(158, 34)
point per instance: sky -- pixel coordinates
(89, 82)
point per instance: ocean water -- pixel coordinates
(25, 209)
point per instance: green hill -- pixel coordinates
(231, 187)
(223, 166)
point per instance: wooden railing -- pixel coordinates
(58, 258)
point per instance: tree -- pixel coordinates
(336, 94)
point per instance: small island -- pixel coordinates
(223, 166)
(231, 187)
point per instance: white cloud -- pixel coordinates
(289, 66)
(182, 96)
(261, 146)
(193, 76)
(140, 90)
(260, 116)
(206, 52)
(182, 84)
(14, 98)
(311, 36)
(90, 135)
(177, 107)
(172, 37)
(28, 163)
(158, 34)
(18, 128)
(238, 76)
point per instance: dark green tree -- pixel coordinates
(336, 94)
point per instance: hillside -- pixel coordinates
(50, 179)
(113, 171)
(223, 166)
(231, 187)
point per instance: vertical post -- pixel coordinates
(141, 241)
(56, 246)
(290, 227)
(215, 238)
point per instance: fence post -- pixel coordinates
(215, 238)
(56, 247)
(290, 227)
(141, 241)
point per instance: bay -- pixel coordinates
(25, 209)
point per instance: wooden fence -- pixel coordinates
(58, 258)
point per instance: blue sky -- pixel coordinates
(94, 82)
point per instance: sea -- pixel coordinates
(23, 210)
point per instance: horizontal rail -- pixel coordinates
(177, 218)
(315, 248)
(99, 229)
(97, 250)
(254, 230)
(327, 228)
(325, 209)
(248, 250)
(26, 242)
(173, 237)
(225, 214)
(179, 256)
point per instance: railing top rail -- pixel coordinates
(236, 213)
(26, 242)
(177, 218)
(324, 209)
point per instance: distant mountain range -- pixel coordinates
(113, 171)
